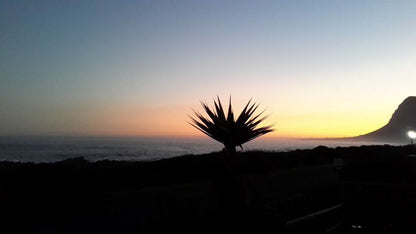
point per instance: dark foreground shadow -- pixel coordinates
(260, 194)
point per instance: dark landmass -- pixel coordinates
(402, 120)
(250, 192)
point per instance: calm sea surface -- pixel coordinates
(53, 149)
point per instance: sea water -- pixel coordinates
(53, 149)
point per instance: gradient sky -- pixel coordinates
(322, 68)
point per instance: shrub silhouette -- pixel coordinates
(227, 130)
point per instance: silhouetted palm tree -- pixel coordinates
(227, 130)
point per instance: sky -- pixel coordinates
(137, 68)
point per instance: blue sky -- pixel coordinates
(137, 67)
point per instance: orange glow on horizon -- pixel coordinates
(301, 126)
(172, 121)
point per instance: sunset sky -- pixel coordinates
(137, 68)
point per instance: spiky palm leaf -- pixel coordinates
(227, 130)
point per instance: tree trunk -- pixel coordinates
(230, 149)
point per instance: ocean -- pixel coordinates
(54, 149)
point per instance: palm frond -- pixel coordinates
(227, 130)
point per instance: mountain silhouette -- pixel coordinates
(402, 121)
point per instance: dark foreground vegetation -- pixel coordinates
(374, 191)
